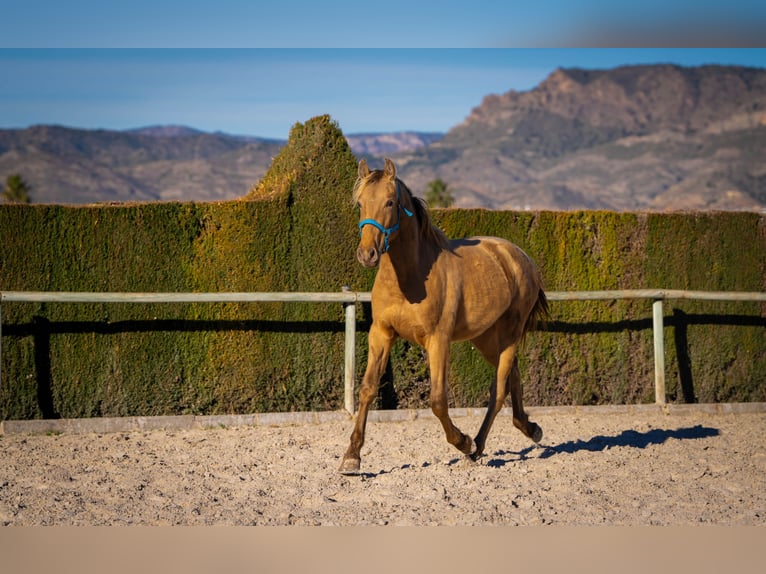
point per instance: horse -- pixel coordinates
(431, 291)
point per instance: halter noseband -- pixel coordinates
(387, 231)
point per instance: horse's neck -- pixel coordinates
(411, 259)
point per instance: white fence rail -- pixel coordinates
(350, 298)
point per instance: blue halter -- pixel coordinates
(387, 231)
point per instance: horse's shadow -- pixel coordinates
(628, 438)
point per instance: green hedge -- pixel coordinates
(296, 231)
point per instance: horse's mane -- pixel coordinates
(428, 230)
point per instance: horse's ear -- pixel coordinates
(390, 169)
(364, 171)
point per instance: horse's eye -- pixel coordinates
(390, 203)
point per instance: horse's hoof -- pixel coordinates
(350, 466)
(475, 455)
(470, 449)
(537, 436)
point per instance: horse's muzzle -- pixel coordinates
(368, 256)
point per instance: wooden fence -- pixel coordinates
(350, 299)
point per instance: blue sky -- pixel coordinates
(353, 24)
(263, 92)
(372, 67)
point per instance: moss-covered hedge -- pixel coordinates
(296, 231)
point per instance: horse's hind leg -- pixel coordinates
(488, 344)
(520, 419)
(494, 346)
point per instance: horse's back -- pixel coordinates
(489, 254)
(496, 276)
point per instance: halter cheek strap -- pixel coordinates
(387, 231)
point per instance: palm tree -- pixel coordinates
(16, 189)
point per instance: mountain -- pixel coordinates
(165, 131)
(654, 137)
(637, 137)
(390, 143)
(67, 165)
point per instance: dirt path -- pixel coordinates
(593, 469)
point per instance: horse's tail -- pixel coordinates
(538, 312)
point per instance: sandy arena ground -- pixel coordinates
(614, 469)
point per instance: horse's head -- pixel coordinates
(379, 197)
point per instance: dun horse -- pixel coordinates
(431, 291)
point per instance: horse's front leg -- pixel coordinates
(380, 342)
(438, 364)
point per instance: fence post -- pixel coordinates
(659, 352)
(349, 369)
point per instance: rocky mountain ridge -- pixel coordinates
(637, 137)
(657, 137)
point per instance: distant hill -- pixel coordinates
(390, 143)
(639, 137)
(67, 165)
(165, 131)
